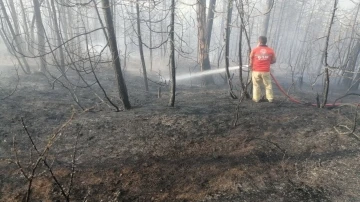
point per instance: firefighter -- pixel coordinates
(261, 58)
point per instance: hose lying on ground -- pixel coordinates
(295, 100)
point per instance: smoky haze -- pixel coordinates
(158, 100)
(60, 38)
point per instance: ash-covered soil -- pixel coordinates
(193, 152)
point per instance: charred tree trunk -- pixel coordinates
(40, 35)
(58, 37)
(327, 83)
(172, 56)
(227, 47)
(209, 23)
(326, 62)
(164, 46)
(115, 55)
(203, 49)
(242, 30)
(150, 38)
(324, 56)
(326, 87)
(141, 45)
(125, 39)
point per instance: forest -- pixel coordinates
(152, 100)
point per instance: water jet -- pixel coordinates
(205, 73)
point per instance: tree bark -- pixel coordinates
(115, 55)
(172, 56)
(203, 54)
(141, 45)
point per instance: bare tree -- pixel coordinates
(244, 84)
(150, 35)
(25, 23)
(115, 55)
(14, 18)
(40, 35)
(227, 47)
(326, 62)
(19, 53)
(172, 55)
(203, 45)
(141, 45)
(210, 22)
(58, 37)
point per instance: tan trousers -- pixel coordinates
(259, 78)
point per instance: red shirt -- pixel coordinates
(261, 57)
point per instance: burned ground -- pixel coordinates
(276, 152)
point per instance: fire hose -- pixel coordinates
(293, 99)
